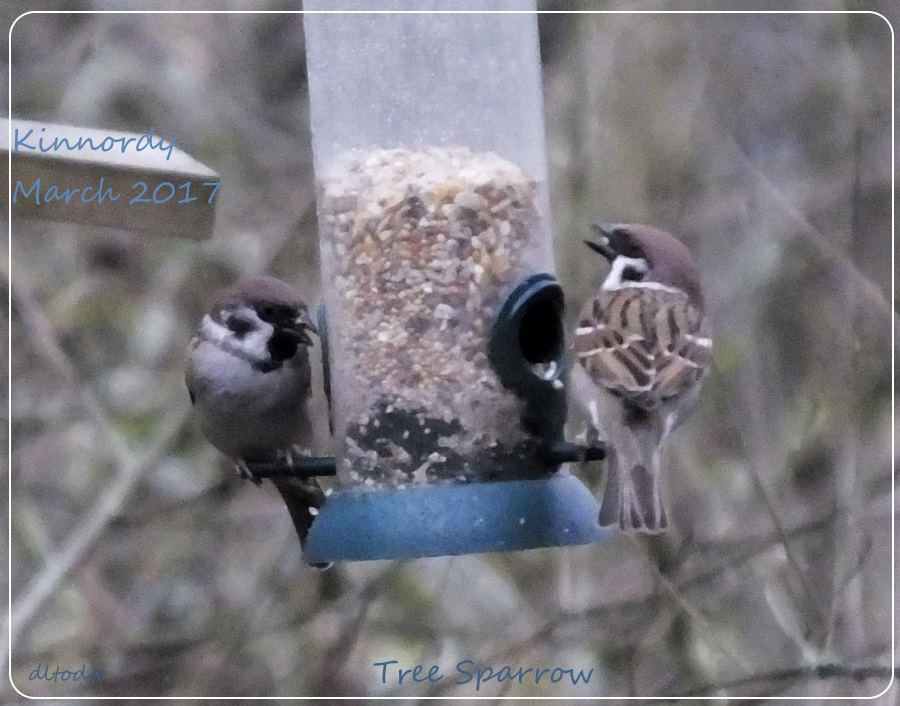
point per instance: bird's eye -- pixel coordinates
(632, 274)
(273, 312)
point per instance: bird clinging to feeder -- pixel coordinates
(643, 340)
(248, 375)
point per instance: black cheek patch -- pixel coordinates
(632, 274)
(282, 346)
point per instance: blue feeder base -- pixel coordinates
(454, 519)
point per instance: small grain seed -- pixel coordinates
(469, 200)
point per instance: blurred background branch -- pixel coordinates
(115, 495)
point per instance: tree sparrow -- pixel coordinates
(644, 346)
(248, 376)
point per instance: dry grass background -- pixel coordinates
(765, 141)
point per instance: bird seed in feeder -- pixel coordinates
(420, 248)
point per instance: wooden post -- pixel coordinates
(107, 178)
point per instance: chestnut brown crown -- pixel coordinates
(669, 262)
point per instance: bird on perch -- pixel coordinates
(643, 345)
(249, 379)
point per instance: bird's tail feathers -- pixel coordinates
(303, 498)
(632, 498)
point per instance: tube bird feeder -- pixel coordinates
(443, 318)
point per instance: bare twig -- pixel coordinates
(741, 552)
(131, 467)
(751, 432)
(823, 671)
(677, 595)
(346, 641)
(848, 537)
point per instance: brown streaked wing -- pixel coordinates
(613, 351)
(682, 360)
(642, 343)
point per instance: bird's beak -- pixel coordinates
(602, 245)
(304, 323)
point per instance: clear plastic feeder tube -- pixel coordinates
(429, 151)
